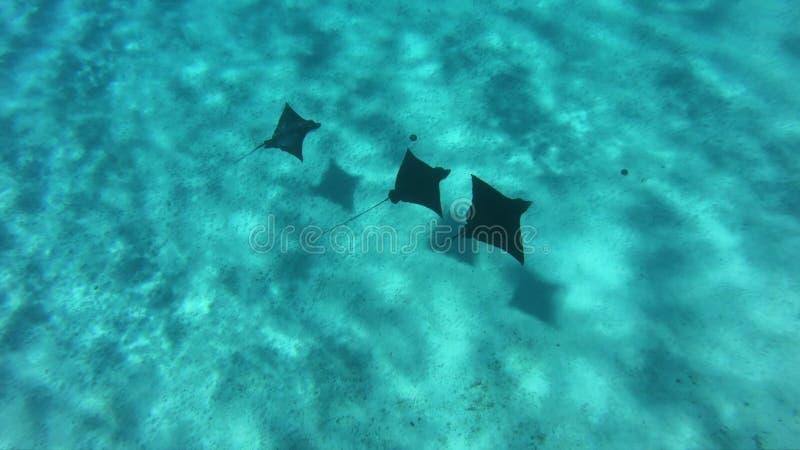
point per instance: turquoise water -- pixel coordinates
(655, 309)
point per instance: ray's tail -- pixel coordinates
(248, 153)
(357, 215)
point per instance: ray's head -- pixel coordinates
(393, 196)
